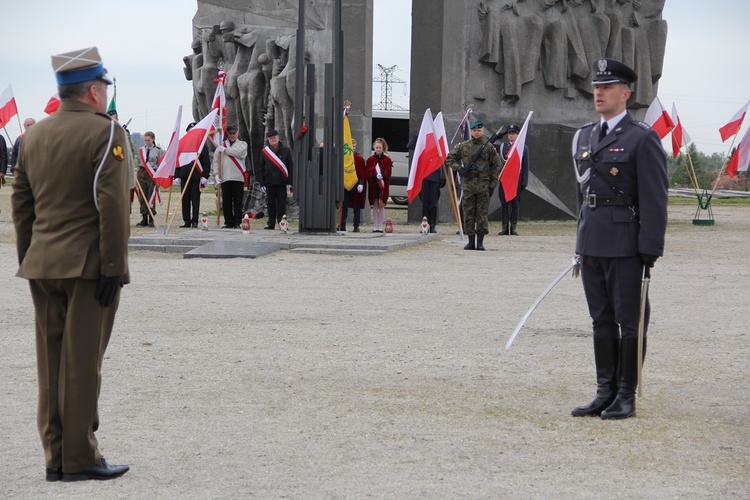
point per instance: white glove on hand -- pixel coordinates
(380, 177)
(263, 189)
(204, 182)
(218, 180)
(220, 148)
(177, 181)
(289, 190)
(360, 188)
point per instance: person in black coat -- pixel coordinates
(622, 220)
(193, 183)
(275, 176)
(429, 195)
(509, 209)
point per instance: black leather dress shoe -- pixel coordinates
(100, 471)
(187, 224)
(53, 473)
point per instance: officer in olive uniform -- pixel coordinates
(478, 180)
(622, 219)
(72, 238)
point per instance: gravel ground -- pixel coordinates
(313, 376)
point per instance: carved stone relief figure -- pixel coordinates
(210, 70)
(193, 73)
(511, 42)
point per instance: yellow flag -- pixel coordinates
(350, 172)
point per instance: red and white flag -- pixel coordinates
(426, 156)
(658, 118)
(168, 163)
(734, 124)
(441, 138)
(220, 103)
(192, 142)
(53, 104)
(8, 107)
(741, 158)
(512, 171)
(680, 136)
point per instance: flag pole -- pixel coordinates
(454, 200)
(7, 134)
(182, 194)
(724, 164)
(169, 204)
(148, 202)
(690, 171)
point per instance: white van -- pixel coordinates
(393, 126)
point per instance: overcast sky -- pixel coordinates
(142, 42)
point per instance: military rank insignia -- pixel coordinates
(614, 171)
(118, 153)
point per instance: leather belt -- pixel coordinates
(594, 200)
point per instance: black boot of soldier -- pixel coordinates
(504, 229)
(150, 221)
(480, 242)
(144, 221)
(606, 358)
(513, 220)
(624, 404)
(470, 244)
(432, 219)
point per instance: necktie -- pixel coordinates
(603, 131)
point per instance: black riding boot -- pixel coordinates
(624, 404)
(606, 357)
(432, 219)
(513, 221)
(144, 221)
(150, 221)
(504, 230)
(470, 244)
(480, 242)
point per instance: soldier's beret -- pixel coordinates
(477, 124)
(613, 71)
(79, 66)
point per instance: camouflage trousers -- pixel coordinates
(476, 207)
(148, 186)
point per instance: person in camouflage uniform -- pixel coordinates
(477, 181)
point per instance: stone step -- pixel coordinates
(336, 251)
(162, 248)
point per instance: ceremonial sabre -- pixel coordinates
(512, 338)
(642, 324)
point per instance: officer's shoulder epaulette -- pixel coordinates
(589, 125)
(643, 125)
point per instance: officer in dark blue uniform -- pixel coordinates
(622, 219)
(509, 209)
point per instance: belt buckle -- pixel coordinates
(591, 200)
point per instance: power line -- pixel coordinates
(386, 80)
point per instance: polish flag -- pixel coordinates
(426, 156)
(53, 104)
(441, 138)
(734, 124)
(512, 171)
(8, 107)
(680, 136)
(658, 118)
(741, 158)
(220, 103)
(168, 163)
(192, 142)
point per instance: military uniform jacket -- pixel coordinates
(631, 159)
(474, 181)
(60, 233)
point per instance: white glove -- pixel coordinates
(177, 181)
(380, 177)
(360, 188)
(220, 148)
(204, 182)
(263, 189)
(289, 190)
(218, 180)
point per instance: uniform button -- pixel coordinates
(111, 265)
